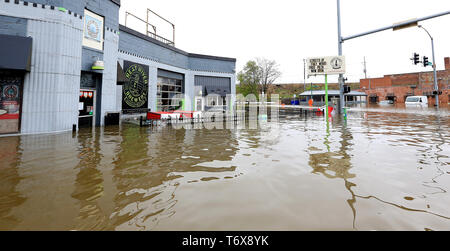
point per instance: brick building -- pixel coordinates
(398, 87)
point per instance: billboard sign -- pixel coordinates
(326, 65)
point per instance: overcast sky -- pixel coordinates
(290, 30)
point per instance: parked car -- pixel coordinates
(415, 101)
(386, 102)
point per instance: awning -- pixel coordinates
(121, 79)
(15, 52)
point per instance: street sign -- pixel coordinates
(326, 65)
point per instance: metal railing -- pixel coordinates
(161, 39)
(153, 34)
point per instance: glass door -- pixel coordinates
(86, 108)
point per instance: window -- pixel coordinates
(169, 94)
(412, 99)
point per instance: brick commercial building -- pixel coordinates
(66, 64)
(398, 87)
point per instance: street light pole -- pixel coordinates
(398, 26)
(304, 74)
(436, 87)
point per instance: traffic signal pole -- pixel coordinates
(398, 26)
(341, 76)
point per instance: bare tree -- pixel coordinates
(269, 71)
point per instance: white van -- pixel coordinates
(417, 101)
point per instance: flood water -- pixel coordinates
(381, 169)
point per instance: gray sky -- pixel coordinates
(290, 30)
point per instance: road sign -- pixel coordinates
(326, 65)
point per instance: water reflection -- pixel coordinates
(438, 157)
(147, 186)
(89, 185)
(10, 198)
(377, 170)
(337, 164)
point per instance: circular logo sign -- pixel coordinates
(92, 29)
(336, 63)
(10, 92)
(136, 89)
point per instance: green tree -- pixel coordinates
(257, 76)
(249, 79)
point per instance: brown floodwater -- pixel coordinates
(382, 169)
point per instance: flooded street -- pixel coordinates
(382, 169)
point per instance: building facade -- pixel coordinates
(319, 98)
(66, 64)
(398, 87)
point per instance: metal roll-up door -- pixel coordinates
(214, 85)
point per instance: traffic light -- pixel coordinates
(416, 58)
(425, 62)
(347, 89)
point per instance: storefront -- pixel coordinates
(89, 106)
(14, 63)
(73, 66)
(11, 85)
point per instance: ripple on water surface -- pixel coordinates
(382, 169)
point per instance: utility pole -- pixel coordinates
(341, 76)
(304, 73)
(436, 86)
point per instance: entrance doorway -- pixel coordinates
(89, 105)
(199, 104)
(373, 99)
(11, 84)
(86, 108)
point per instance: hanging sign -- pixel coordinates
(135, 90)
(93, 30)
(326, 65)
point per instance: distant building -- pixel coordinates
(398, 87)
(353, 97)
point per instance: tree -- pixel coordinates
(249, 79)
(269, 72)
(257, 76)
